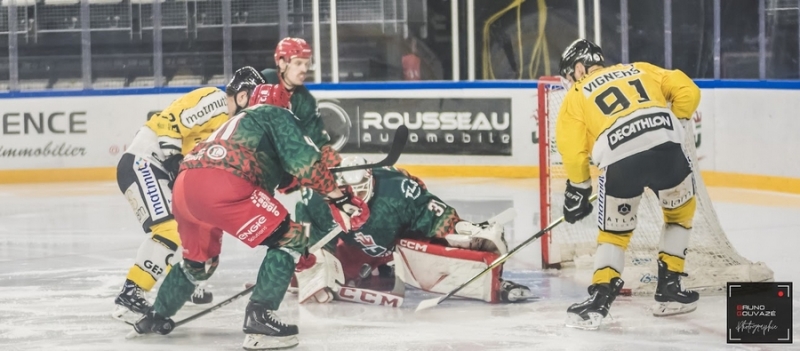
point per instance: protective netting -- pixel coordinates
(711, 260)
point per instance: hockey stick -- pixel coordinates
(425, 304)
(328, 237)
(204, 312)
(398, 144)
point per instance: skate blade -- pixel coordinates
(577, 322)
(664, 309)
(125, 315)
(133, 334)
(254, 342)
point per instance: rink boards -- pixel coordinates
(746, 129)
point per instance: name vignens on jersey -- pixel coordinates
(608, 77)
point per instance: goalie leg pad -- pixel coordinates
(318, 282)
(440, 269)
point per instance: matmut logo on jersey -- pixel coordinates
(209, 106)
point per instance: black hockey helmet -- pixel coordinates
(244, 79)
(583, 51)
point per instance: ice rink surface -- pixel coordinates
(65, 249)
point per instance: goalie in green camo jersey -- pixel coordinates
(403, 217)
(226, 184)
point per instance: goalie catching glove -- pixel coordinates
(576, 201)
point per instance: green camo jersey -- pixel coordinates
(304, 106)
(259, 145)
(399, 208)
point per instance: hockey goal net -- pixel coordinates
(711, 260)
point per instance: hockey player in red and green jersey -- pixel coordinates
(293, 60)
(226, 185)
(403, 214)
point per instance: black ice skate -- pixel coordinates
(265, 331)
(670, 297)
(153, 322)
(130, 303)
(590, 313)
(201, 296)
(513, 292)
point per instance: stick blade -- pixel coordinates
(429, 303)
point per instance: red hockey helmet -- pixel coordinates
(289, 48)
(270, 94)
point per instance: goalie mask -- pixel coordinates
(359, 180)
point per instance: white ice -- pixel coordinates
(65, 249)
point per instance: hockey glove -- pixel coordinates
(576, 201)
(172, 165)
(305, 262)
(152, 322)
(349, 211)
(288, 185)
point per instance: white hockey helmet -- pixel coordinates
(359, 180)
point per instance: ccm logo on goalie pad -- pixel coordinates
(369, 297)
(413, 245)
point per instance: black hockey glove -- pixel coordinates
(576, 203)
(172, 165)
(152, 322)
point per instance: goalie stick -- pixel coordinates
(398, 144)
(429, 303)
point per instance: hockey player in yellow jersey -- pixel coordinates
(628, 119)
(148, 168)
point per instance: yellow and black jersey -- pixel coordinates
(621, 110)
(189, 120)
(178, 128)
